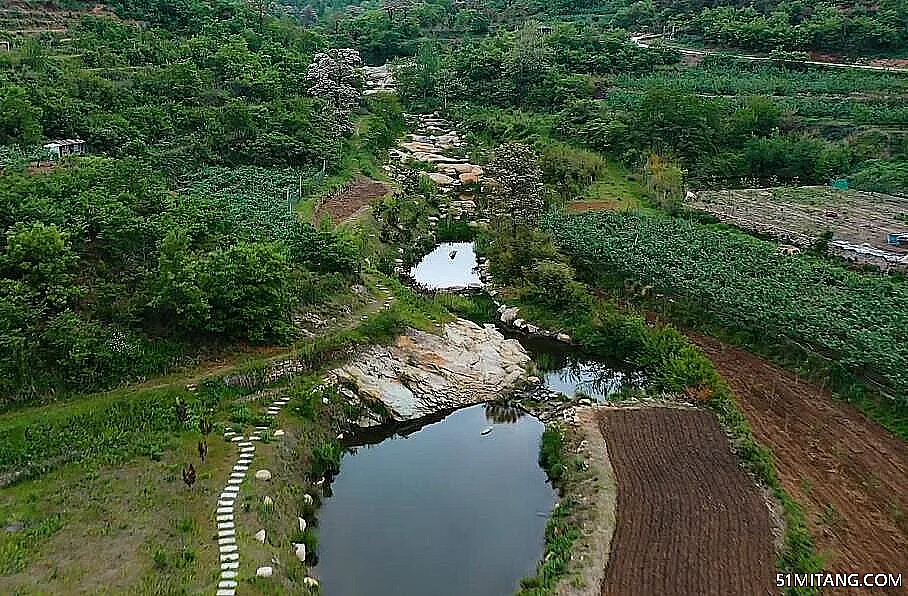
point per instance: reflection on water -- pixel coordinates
(450, 265)
(446, 511)
(499, 413)
(570, 372)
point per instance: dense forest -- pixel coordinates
(203, 127)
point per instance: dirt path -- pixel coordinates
(690, 521)
(351, 199)
(849, 473)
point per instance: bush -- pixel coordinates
(552, 283)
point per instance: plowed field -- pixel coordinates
(690, 521)
(849, 473)
(345, 203)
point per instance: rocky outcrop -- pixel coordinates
(378, 79)
(422, 373)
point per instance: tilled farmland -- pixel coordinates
(690, 520)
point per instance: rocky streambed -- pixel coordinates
(422, 373)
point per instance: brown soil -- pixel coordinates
(342, 205)
(583, 206)
(690, 521)
(849, 473)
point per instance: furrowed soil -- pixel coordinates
(849, 473)
(346, 203)
(690, 520)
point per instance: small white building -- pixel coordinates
(65, 147)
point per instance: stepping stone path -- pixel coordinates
(226, 505)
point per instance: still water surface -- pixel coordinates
(447, 511)
(449, 265)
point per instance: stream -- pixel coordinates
(454, 504)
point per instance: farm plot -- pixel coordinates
(849, 473)
(860, 222)
(690, 521)
(349, 200)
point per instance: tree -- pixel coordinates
(665, 181)
(19, 118)
(335, 78)
(41, 256)
(517, 195)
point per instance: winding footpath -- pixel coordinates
(224, 514)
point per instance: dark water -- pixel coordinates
(572, 373)
(446, 511)
(438, 271)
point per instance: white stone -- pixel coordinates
(268, 501)
(245, 444)
(264, 572)
(300, 551)
(228, 574)
(226, 525)
(224, 510)
(230, 556)
(225, 517)
(227, 584)
(302, 524)
(263, 475)
(225, 592)
(225, 533)
(238, 475)
(310, 582)
(229, 565)
(260, 536)
(237, 438)
(232, 489)
(228, 548)
(307, 498)
(225, 503)
(224, 540)
(278, 433)
(235, 481)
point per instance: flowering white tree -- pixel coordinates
(335, 77)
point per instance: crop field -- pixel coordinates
(848, 472)
(690, 521)
(801, 215)
(743, 282)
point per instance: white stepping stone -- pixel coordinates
(224, 510)
(227, 496)
(260, 536)
(225, 517)
(227, 525)
(238, 475)
(235, 481)
(237, 438)
(228, 548)
(261, 428)
(264, 572)
(249, 449)
(227, 584)
(278, 433)
(225, 533)
(230, 556)
(263, 475)
(225, 592)
(232, 489)
(229, 565)
(226, 540)
(240, 468)
(228, 503)
(245, 444)
(256, 438)
(228, 574)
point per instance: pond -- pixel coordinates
(450, 265)
(569, 371)
(446, 511)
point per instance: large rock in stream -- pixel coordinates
(422, 373)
